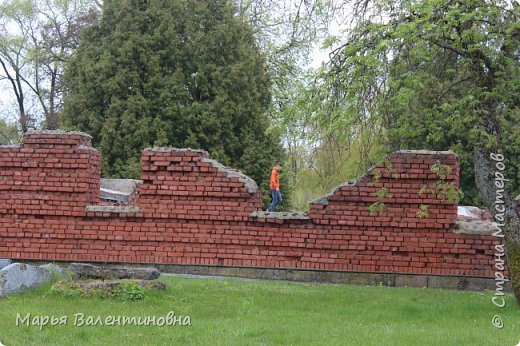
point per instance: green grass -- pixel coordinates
(234, 312)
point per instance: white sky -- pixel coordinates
(8, 107)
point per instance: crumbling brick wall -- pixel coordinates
(190, 209)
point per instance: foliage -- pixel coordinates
(130, 291)
(178, 73)
(14, 52)
(326, 166)
(9, 133)
(69, 288)
(285, 31)
(441, 171)
(323, 147)
(125, 290)
(378, 207)
(446, 191)
(64, 289)
(36, 41)
(423, 211)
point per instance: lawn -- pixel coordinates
(236, 312)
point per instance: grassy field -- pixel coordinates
(234, 312)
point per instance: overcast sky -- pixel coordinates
(8, 107)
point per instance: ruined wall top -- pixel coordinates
(50, 138)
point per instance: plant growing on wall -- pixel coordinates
(443, 189)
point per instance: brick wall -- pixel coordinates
(190, 209)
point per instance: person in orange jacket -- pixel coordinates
(274, 185)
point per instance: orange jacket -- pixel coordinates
(274, 183)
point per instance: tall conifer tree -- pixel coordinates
(172, 72)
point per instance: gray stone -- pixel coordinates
(411, 281)
(358, 278)
(481, 284)
(86, 147)
(126, 186)
(119, 190)
(449, 282)
(183, 269)
(4, 262)
(426, 152)
(111, 209)
(53, 269)
(58, 132)
(475, 227)
(273, 274)
(114, 272)
(200, 152)
(471, 213)
(353, 278)
(292, 215)
(467, 212)
(301, 275)
(223, 271)
(245, 272)
(17, 277)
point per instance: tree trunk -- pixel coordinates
(18, 91)
(52, 116)
(489, 179)
(24, 121)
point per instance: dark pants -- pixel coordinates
(277, 198)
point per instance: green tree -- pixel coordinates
(327, 141)
(14, 53)
(36, 41)
(9, 133)
(286, 31)
(436, 72)
(181, 73)
(439, 86)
